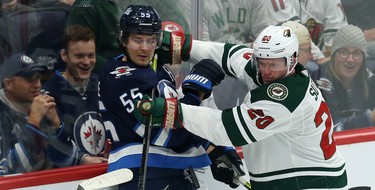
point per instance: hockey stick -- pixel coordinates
(238, 173)
(107, 180)
(146, 139)
(241, 180)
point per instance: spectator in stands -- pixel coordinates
(322, 18)
(29, 120)
(360, 13)
(305, 55)
(6, 47)
(286, 10)
(347, 85)
(239, 22)
(21, 22)
(102, 17)
(9, 6)
(75, 90)
(45, 46)
(304, 41)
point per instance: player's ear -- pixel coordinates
(64, 54)
(294, 59)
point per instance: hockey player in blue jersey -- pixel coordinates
(75, 90)
(129, 77)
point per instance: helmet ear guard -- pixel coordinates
(277, 42)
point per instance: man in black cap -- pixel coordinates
(29, 120)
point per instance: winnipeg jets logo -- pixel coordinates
(123, 70)
(26, 60)
(89, 133)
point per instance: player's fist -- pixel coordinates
(165, 113)
(204, 75)
(175, 46)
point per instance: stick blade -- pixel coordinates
(107, 180)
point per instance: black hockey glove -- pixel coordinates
(204, 75)
(226, 165)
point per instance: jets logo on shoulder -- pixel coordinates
(123, 70)
(277, 91)
(89, 133)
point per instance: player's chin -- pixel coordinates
(266, 81)
(142, 62)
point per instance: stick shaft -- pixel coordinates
(146, 140)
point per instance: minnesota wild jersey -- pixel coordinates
(231, 21)
(322, 18)
(286, 123)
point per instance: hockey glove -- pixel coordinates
(204, 75)
(226, 165)
(175, 46)
(165, 113)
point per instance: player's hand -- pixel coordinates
(204, 75)
(175, 46)
(165, 113)
(226, 165)
(94, 160)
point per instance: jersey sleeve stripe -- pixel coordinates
(22, 157)
(244, 125)
(232, 129)
(235, 132)
(224, 61)
(340, 169)
(227, 51)
(235, 50)
(304, 182)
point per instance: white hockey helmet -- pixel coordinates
(277, 42)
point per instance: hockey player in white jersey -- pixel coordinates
(285, 119)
